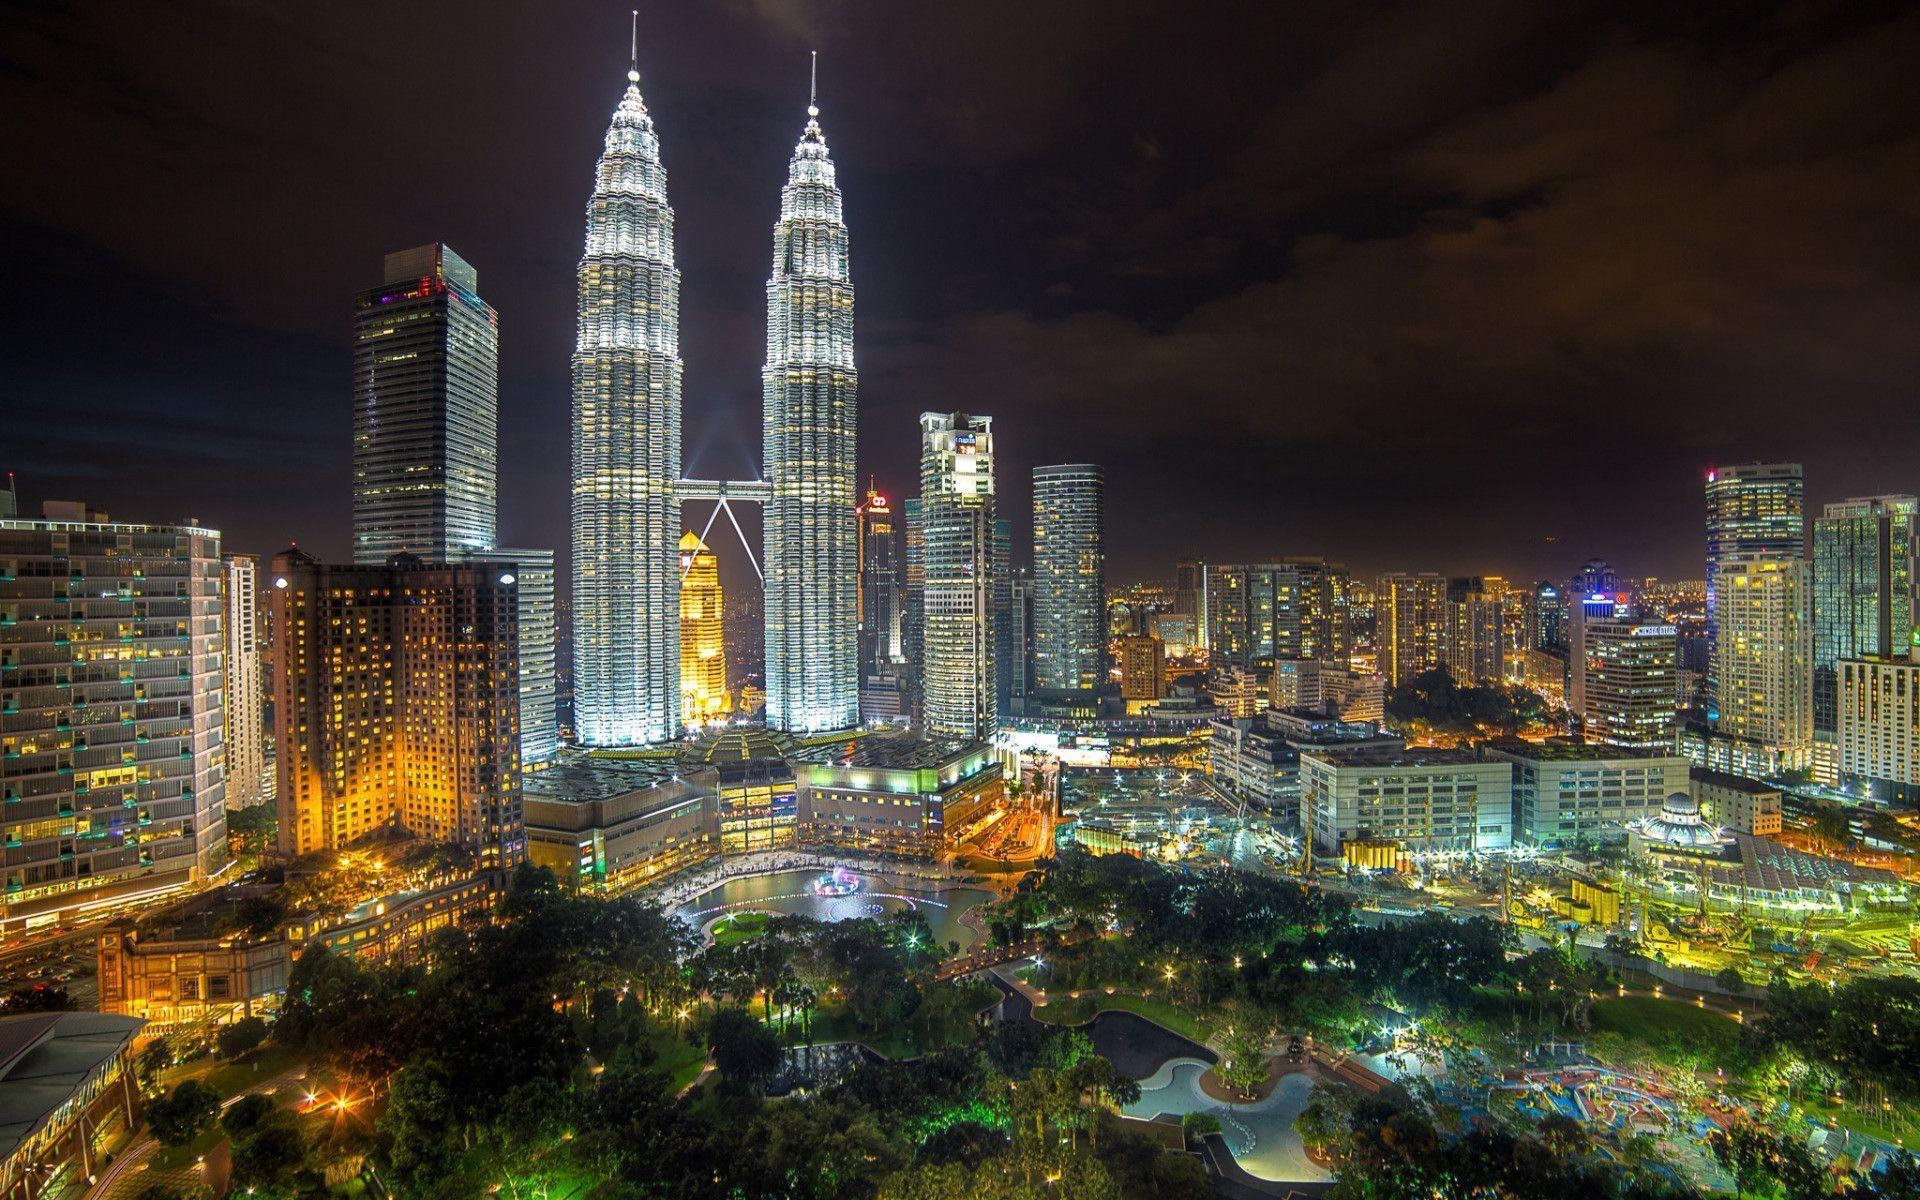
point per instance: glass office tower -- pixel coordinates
(426, 394)
(1069, 578)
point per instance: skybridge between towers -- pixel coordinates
(724, 492)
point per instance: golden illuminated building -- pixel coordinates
(703, 648)
(396, 703)
(1143, 667)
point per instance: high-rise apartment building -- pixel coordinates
(1878, 731)
(242, 683)
(1143, 668)
(1410, 615)
(1629, 686)
(1476, 632)
(1763, 654)
(1264, 612)
(626, 446)
(1863, 581)
(112, 758)
(703, 648)
(1069, 578)
(880, 585)
(1753, 510)
(809, 388)
(396, 703)
(426, 391)
(956, 516)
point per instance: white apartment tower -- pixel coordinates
(245, 684)
(956, 525)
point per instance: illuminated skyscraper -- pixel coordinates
(880, 585)
(1763, 657)
(1069, 577)
(956, 527)
(626, 446)
(1752, 509)
(1411, 614)
(243, 680)
(809, 390)
(703, 647)
(426, 388)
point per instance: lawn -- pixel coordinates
(232, 1078)
(1668, 1027)
(1064, 1009)
(739, 927)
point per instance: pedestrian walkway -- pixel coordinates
(133, 1170)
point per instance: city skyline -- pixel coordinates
(1075, 322)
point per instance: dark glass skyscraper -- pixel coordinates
(1069, 578)
(880, 585)
(1863, 558)
(426, 387)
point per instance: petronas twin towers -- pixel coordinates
(627, 485)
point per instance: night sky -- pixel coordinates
(1450, 287)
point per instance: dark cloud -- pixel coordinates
(1410, 285)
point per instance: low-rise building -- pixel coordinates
(1710, 749)
(1258, 758)
(616, 824)
(1744, 805)
(66, 1086)
(1425, 799)
(200, 961)
(904, 795)
(1563, 792)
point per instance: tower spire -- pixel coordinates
(813, 88)
(633, 50)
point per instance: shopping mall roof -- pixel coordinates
(45, 1058)
(582, 778)
(882, 752)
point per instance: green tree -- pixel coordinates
(1242, 1066)
(184, 1115)
(745, 1052)
(241, 1036)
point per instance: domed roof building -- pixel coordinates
(1679, 825)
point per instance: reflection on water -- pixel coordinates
(794, 892)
